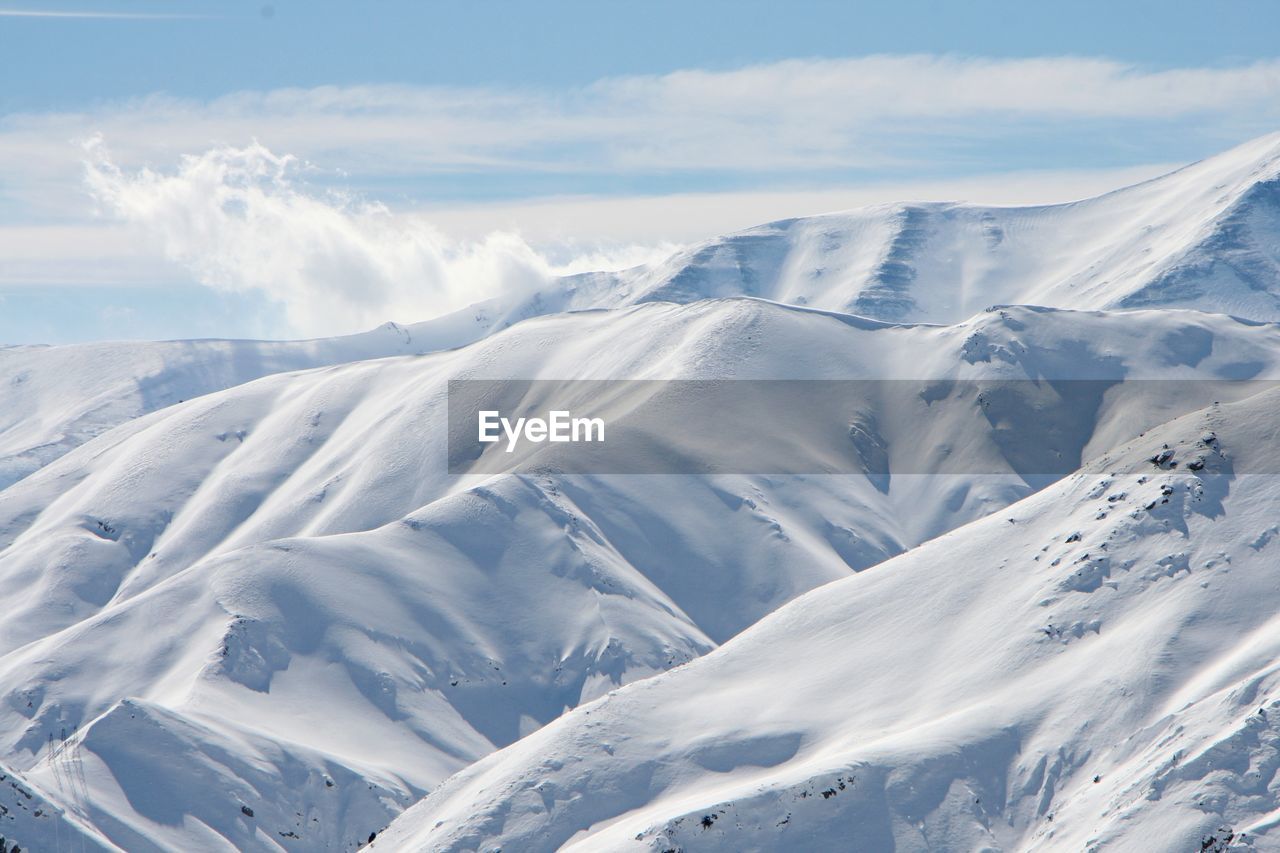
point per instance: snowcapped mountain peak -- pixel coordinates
(1202, 237)
(1017, 592)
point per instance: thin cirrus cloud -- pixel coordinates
(873, 113)
(951, 86)
(96, 14)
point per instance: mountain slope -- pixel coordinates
(247, 607)
(292, 549)
(53, 399)
(1203, 237)
(1092, 668)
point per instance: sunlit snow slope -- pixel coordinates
(1203, 237)
(280, 584)
(53, 399)
(1093, 668)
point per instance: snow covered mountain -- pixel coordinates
(1092, 668)
(247, 606)
(280, 583)
(1203, 237)
(53, 399)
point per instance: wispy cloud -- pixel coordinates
(69, 13)
(880, 113)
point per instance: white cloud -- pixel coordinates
(690, 217)
(242, 218)
(237, 219)
(572, 232)
(941, 86)
(799, 115)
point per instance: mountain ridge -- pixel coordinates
(241, 568)
(862, 262)
(292, 546)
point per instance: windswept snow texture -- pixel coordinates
(246, 607)
(1092, 668)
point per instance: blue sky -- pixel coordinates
(229, 45)
(271, 169)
